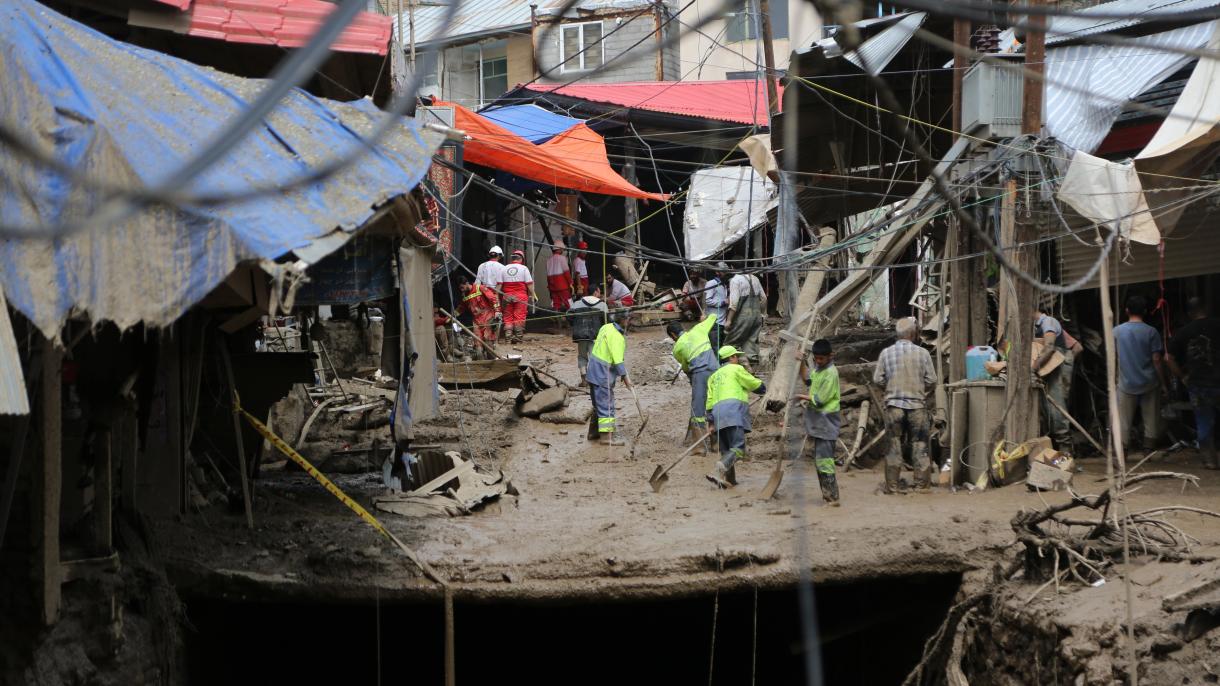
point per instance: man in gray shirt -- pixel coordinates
(905, 371)
(1141, 372)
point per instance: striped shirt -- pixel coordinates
(905, 370)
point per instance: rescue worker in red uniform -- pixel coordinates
(558, 279)
(517, 285)
(484, 308)
(580, 269)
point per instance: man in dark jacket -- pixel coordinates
(587, 314)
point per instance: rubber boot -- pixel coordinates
(1210, 459)
(891, 480)
(592, 433)
(718, 477)
(584, 383)
(730, 475)
(830, 488)
(923, 480)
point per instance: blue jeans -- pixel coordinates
(1204, 400)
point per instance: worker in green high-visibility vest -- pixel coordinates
(607, 363)
(728, 392)
(693, 351)
(822, 415)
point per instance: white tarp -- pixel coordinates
(13, 398)
(1087, 86)
(1109, 193)
(723, 204)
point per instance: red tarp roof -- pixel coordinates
(574, 159)
(286, 23)
(738, 101)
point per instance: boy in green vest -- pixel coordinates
(822, 415)
(728, 393)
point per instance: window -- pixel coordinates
(743, 23)
(581, 47)
(494, 73)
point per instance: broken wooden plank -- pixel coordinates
(448, 476)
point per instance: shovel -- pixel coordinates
(777, 475)
(643, 421)
(661, 474)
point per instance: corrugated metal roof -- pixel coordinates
(475, 19)
(155, 264)
(286, 23)
(738, 101)
(1064, 29)
(13, 397)
(877, 51)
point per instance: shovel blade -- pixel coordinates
(658, 480)
(772, 486)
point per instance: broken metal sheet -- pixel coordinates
(13, 396)
(724, 204)
(474, 490)
(878, 50)
(1109, 193)
(131, 116)
(1088, 85)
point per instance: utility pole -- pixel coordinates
(961, 272)
(764, 9)
(1022, 297)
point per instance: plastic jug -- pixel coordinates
(975, 357)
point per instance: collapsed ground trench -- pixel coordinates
(871, 632)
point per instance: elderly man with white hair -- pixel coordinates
(905, 371)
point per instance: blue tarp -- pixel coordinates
(531, 122)
(129, 116)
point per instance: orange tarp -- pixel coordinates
(575, 159)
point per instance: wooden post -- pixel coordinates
(658, 10)
(1019, 329)
(961, 36)
(241, 448)
(50, 484)
(103, 494)
(764, 9)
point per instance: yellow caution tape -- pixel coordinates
(318, 476)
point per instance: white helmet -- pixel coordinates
(495, 250)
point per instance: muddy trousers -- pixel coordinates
(732, 440)
(582, 356)
(603, 407)
(1057, 426)
(824, 462)
(909, 426)
(1150, 411)
(698, 399)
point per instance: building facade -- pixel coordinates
(730, 47)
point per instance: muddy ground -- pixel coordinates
(587, 525)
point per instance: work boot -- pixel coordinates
(731, 475)
(923, 480)
(592, 433)
(892, 485)
(830, 488)
(718, 477)
(584, 383)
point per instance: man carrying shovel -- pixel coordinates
(822, 415)
(693, 351)
(607, 362)
(728, 392)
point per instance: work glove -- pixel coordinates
(815, 400)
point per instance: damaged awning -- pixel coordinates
(876, 52)
(575, 159)
(722, 205)
(131, 116)
(531, 122)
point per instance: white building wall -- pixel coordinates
(707, 54)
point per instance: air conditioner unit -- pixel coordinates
(991, 99)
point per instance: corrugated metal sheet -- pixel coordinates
(13, 397)
(877, 51)
(475, 19)
(1103, 78)
(738, 101)
(1065, 29)
(1192, 249)
(286, 23)
(134, 115)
